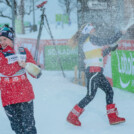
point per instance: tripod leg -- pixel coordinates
(59, 60)
(39, 35)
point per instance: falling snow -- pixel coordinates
(55, 95)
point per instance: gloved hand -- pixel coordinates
(114, 48)
(21, 54)
(21, 57)
(22, 63)
(39, 75)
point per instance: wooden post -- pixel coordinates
(83, 78)
(75, 74)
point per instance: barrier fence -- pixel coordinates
(118, 67)
(47, 57)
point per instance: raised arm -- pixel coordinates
(105, 41)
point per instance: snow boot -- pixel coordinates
(74, 114)
(112, 114)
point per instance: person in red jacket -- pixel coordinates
(16, 90)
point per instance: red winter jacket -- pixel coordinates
(14, 85)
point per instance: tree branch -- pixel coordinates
(29, 12)
(5, 16)
(8, 3)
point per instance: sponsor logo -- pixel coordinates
(15, 79)
(6, 79)
(10, 35)
(124, 85)
(23, 77)
(12, 59)
(126, 67)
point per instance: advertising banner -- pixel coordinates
(2, 24)
(18, 26)
(122, 62)
(31, 45)
(63, 18)
(68, 57)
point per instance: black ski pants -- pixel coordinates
(96, 80)
(21, 117)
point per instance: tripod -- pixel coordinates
(39, 35)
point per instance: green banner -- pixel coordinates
(123, 69)
(68, 57)
(27, 24)
(18, 27)
(64, 18)
(2, 24)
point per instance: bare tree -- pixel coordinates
(68, 6)
(6, 4)
(21, 8)
(21, 13)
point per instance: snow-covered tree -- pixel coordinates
(21, 8)
(68, 6)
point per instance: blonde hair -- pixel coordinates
(74, 40)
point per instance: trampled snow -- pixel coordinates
(56, 96)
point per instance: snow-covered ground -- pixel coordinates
(56, 96)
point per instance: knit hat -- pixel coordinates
(8, 32)
(87, 29)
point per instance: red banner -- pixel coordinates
(31, 45)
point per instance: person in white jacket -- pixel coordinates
(94, 52)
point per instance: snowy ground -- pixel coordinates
(55, 97)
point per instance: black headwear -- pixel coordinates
(8, 32)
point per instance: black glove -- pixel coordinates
(39, 75)
(114, 48)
